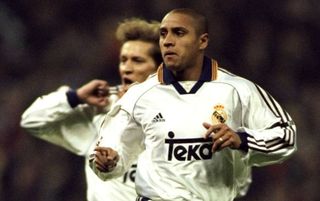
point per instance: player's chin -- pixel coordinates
(172, 66)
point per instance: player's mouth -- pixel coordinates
(127, 81)
(169, 53)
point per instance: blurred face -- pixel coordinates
(136, 63)
(179, 42)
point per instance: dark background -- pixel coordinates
(45, 44)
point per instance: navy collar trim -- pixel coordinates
(209, 73)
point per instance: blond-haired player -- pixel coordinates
(71, 118)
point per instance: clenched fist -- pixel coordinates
(105, 159)
(94, 93)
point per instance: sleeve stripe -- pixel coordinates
(267, 100)
(288, 139)
(286, 123)
(280, 146)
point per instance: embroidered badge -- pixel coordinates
(219, 115)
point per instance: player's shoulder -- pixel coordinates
(137, 90)
(239, 83)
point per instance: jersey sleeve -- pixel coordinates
(124, 135)
(52, 119)
(268, 133)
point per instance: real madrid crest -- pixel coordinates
(219, 114)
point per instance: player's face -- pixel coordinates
(136, 62)
(179, 42)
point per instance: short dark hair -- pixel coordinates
(201, 20)
(136, 29)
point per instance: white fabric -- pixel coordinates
(52, 119)
(153, 115)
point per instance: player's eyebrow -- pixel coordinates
(174, 29)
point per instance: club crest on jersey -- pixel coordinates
(188, 149)
(219, 114)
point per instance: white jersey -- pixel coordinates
(164, 123)
(52, 119)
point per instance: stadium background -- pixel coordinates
(45, 44)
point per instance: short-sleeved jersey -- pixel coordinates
(164, 122)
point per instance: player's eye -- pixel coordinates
(123, 59)
(138, 60)
(180, 32)
(163, 33)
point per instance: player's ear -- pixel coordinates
(204, 41)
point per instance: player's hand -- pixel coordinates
(94, 93)
(222, 136)
(105, 159)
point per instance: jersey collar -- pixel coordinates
(209, 73)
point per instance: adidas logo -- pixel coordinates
(158, 118)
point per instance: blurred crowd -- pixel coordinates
(45, 44)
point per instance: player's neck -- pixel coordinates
(190, 73)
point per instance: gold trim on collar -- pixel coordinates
(214, 69)
(160, 73)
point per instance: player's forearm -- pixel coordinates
(269, 131)
(272, 145)
(51, 118)
(119, 133)
(49, 108)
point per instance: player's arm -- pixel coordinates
(63, 102)
(119, 145)
(94, 93)
(53, 117)
(268, 133)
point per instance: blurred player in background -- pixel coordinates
(71, 118)
(199, 128)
